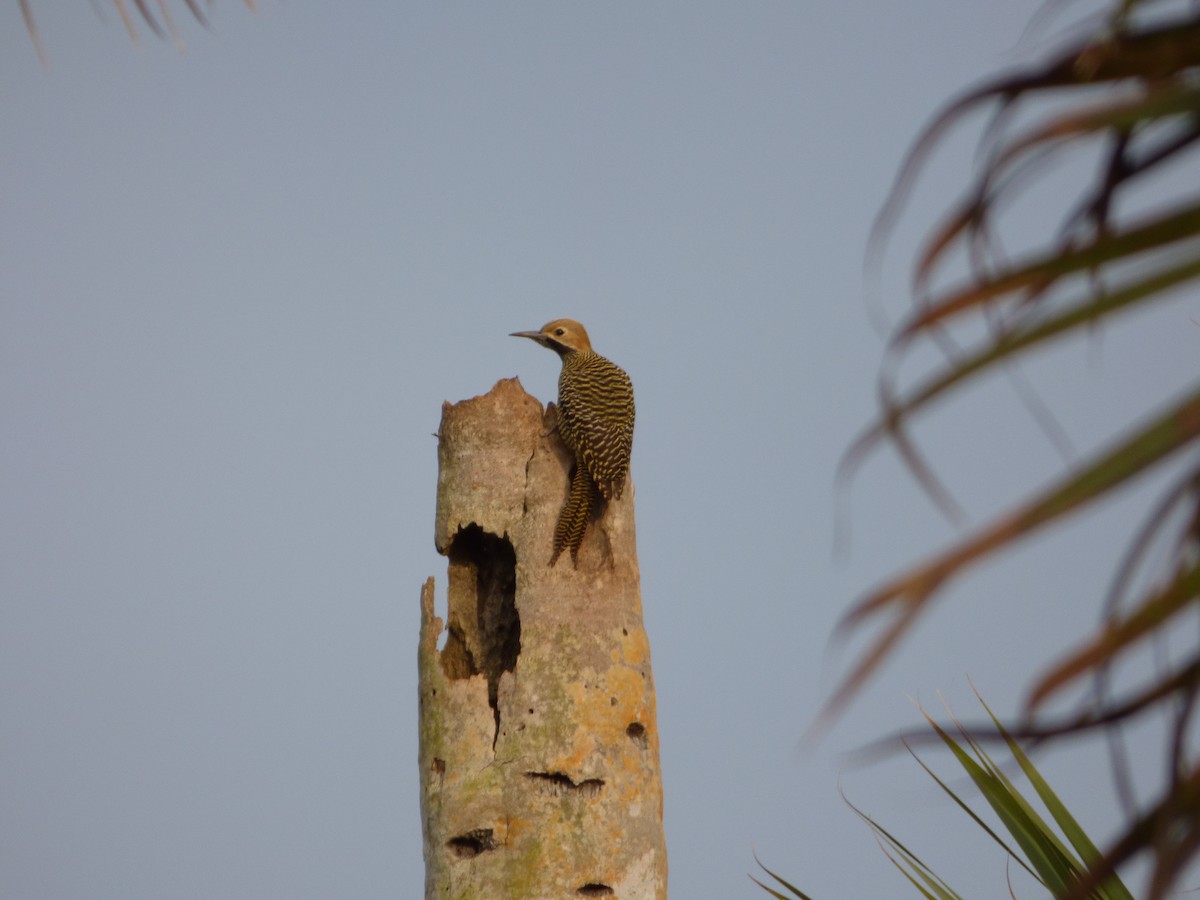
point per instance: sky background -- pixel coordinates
(238, 282)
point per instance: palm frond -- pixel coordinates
(161, 23)
(1125, 97)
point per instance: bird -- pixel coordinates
(595, 421)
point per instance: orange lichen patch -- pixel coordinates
(514, 828)
(584, 743)
(605, 707)
(633, 648)
(628, 688)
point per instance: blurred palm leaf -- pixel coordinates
(1060, 866)
(1127, 95)
(162, 23)
(794, 892)
(920, 876)
(1059, 855)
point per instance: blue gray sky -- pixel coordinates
(238, 282)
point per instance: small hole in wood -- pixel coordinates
(471, 844)
(558, 782)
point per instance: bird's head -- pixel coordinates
(563, 336)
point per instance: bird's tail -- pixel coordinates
(573, 520)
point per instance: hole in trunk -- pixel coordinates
(471, 844)
(483, 629)
(557, 782)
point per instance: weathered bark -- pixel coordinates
(539, 741)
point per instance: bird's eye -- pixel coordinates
(558, 332)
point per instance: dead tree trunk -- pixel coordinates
(539, 742)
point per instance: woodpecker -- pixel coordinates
(595, 420)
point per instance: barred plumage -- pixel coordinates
(595, 420)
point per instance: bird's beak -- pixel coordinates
(532, 335)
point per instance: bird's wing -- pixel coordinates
(604, 431)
